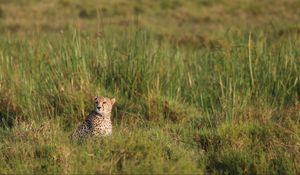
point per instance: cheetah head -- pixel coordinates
(103, 105)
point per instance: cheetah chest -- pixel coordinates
(101, 126)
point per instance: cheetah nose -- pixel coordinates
(98, 107)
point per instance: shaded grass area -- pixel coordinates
(138, 151)
(232, 109)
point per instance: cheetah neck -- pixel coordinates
(105, 116)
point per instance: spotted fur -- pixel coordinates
(98, 122)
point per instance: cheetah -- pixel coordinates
(98, 122)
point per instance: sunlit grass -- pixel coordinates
(211, 93)
(179, 109)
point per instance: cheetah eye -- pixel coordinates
(104, 102)
(96, 102)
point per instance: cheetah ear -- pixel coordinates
(113, 100)
(95, 98)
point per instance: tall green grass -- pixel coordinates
(230, 107)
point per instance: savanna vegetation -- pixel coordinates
(202, 87)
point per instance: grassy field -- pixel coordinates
(202, 87)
